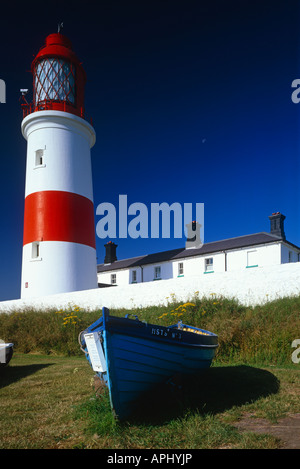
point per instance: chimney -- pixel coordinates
(193, 235)
(277, 224)
(110, 252)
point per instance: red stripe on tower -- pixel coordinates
(59, 216)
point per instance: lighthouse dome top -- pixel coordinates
(57, 45)
(59, 39)
(58, 77)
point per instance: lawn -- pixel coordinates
(49, 401)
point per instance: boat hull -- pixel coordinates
(136, 365)
(6, 353)
(140, 356)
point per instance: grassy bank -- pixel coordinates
(261, 334)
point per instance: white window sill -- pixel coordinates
(39, 166)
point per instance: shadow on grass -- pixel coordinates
(12, 374)
(216, 390)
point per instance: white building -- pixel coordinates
(234, 254)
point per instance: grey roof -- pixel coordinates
(207, 248)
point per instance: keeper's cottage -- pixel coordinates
(233, 254)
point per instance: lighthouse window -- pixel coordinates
(35, 251)
(39, 157)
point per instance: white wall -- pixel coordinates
(265, 255)
(122, 277)
(249, 286)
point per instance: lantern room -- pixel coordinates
(58, 78)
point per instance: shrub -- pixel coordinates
(247, 334)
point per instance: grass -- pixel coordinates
(47, 399)
(37, 395)
(48, 402)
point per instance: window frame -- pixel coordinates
(180, 272)
(157, 269)
(134, 276)
(250, 266)
(209, 265)
(35, 251)
(39, 158)
(113, 279)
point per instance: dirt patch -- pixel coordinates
(287, 429)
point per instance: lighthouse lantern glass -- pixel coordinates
(54, 80)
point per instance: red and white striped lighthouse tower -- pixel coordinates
(59, 246)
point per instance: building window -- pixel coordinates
(157, 273)
(133, 276)
(113, 279)
(35, 252)
(209, 265)
(290, 256)
(180, 269)
(39, 158)
(252, 259)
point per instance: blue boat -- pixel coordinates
(132, 356)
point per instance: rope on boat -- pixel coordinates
(80, 343)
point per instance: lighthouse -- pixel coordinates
(59, 245)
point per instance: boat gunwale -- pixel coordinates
(133, 328)
(164, 340)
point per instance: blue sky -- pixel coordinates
(191, 103)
